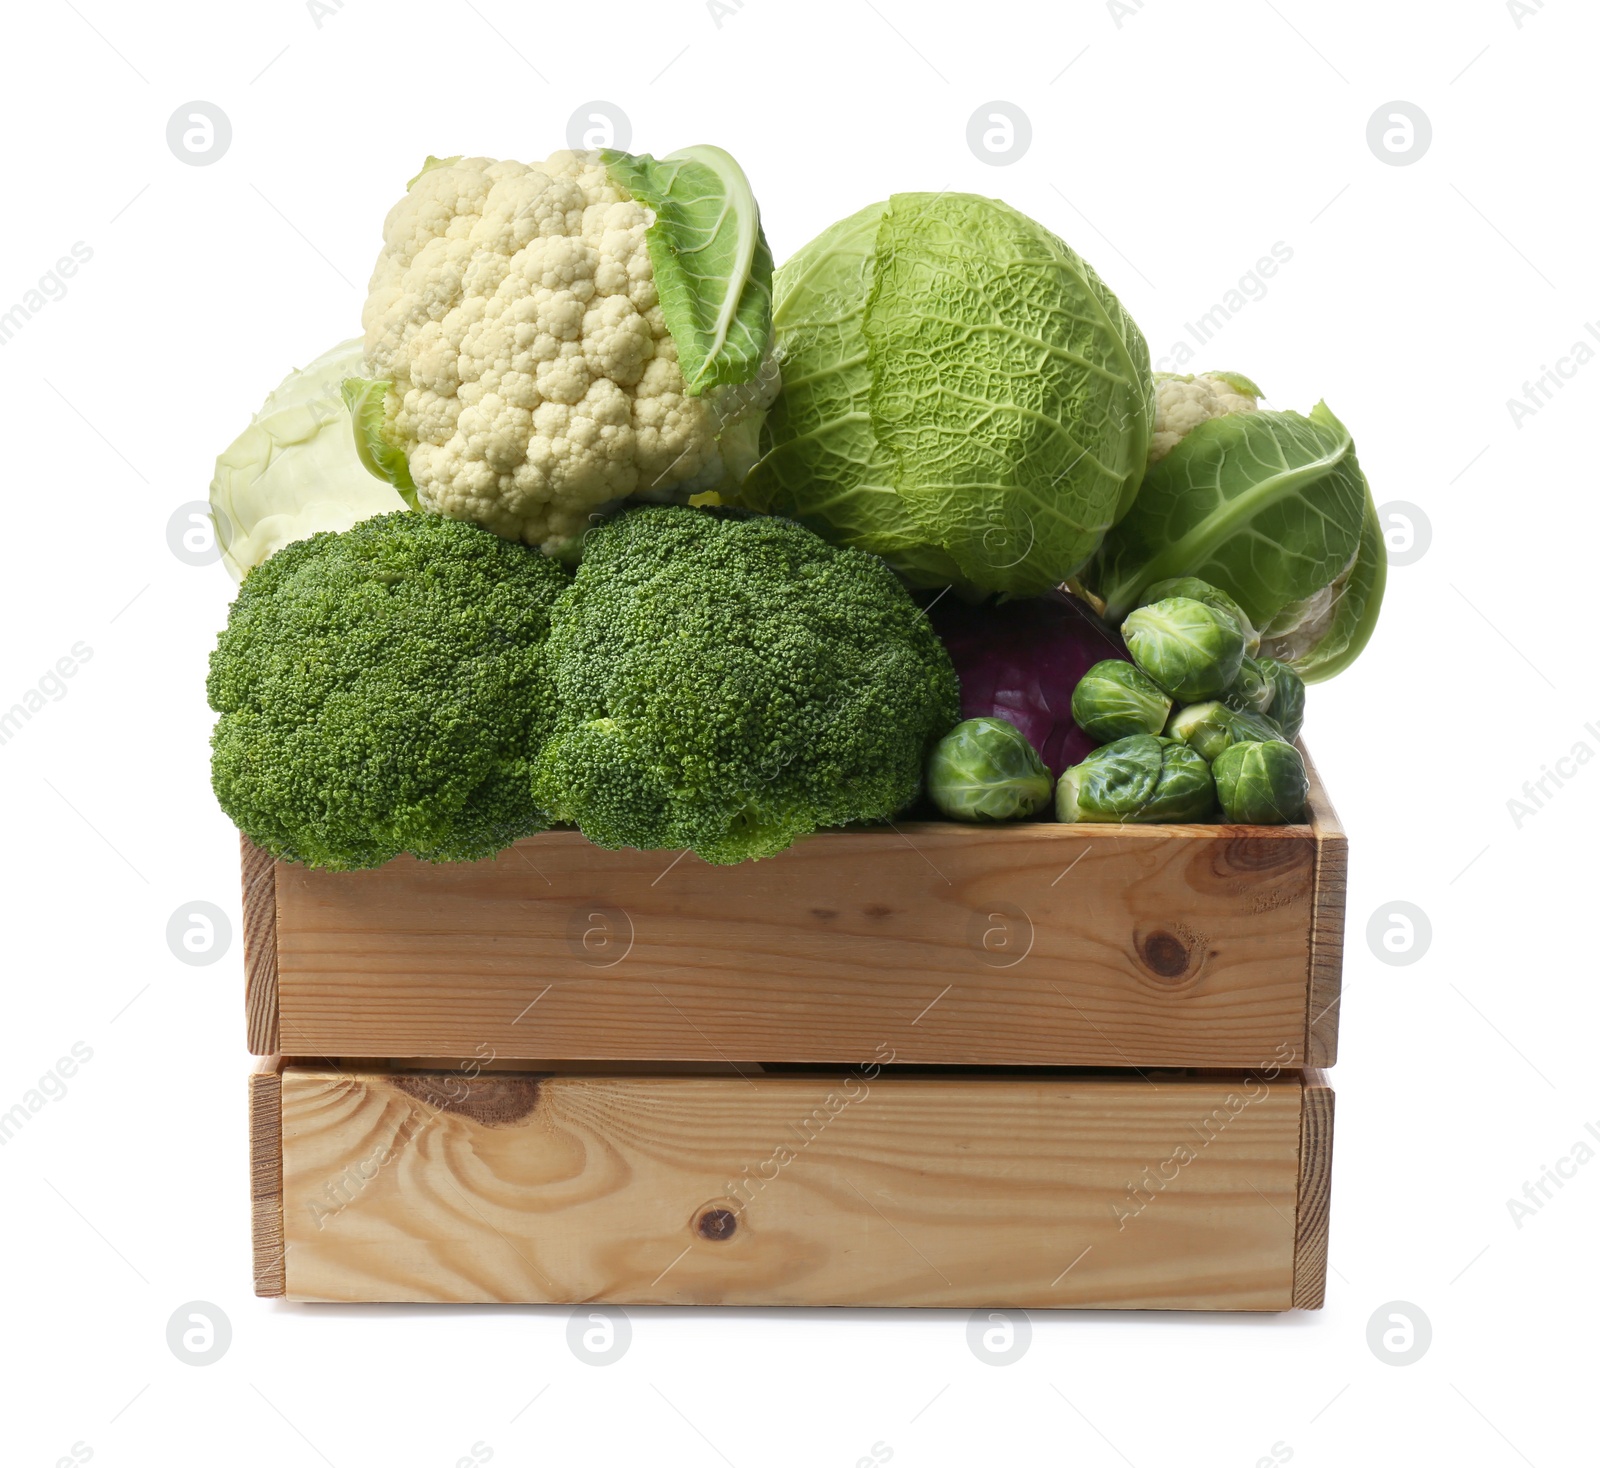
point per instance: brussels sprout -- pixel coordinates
(1252, 690)
(1140, 778)
(985, 770)
(1193, 651)
(1262, 784)
(1209, 728)
(1214, 597)
(1114, 699)
(1288, 706)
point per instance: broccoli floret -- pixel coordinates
(728, 684)
(381, 691)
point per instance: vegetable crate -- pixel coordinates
(1031, 1065)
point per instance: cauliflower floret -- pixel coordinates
(514, 309)
(1184, 403)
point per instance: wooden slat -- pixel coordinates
(1032, 944)
(260, 905)
(1327, 928)
(1315, 1191)
(808, 1188)
(266, 1176)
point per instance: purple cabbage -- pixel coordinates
(1020, 660)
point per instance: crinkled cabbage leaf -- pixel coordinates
(962, 395)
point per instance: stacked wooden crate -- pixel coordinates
(1027, 1066)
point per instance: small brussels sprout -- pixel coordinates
(1140, 778)
(1209, 728)
(1214, 597)
(1288, 706)
(1262, 784)
(1252, 690)
(1114, 699)
(1193, 651)
(985, 770)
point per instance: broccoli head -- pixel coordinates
(729, 683)
(381, 690)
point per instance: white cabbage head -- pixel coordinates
(295, 471)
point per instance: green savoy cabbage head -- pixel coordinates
(963, 396)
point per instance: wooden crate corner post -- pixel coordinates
(1312, 1205)
(266, 1177)
(1327, 927)
(259, 908)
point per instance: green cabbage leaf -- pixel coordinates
(712, 266)
(1273, 508)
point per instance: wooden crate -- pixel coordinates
(1207, 945)
(810, 1187)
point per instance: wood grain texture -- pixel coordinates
(1327, 928)
(1312, 1208)
(807, 1188)
(1031, 944)
(259, 896)
(266, 1176)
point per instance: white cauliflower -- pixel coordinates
(1184, 403)
(514, 310)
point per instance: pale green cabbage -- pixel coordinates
(962, 395)
(295, 470)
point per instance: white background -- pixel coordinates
(1173, 150)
